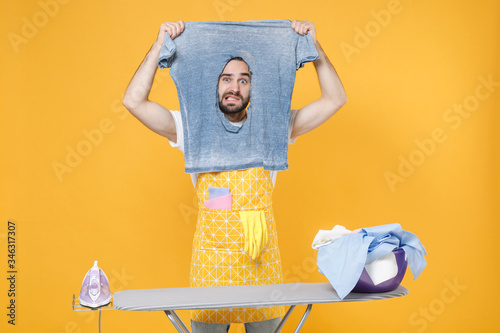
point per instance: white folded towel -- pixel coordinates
(325, 237)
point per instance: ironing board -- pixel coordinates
(202, 298)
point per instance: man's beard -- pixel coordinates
(234, 108)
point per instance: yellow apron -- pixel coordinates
(218, 257)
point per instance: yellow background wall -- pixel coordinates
(416, 144)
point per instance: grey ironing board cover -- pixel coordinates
(238, 296)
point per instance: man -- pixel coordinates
(234, 89)
(218, 252)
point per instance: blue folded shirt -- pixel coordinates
(343, 260)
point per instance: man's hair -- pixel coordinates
(238, 58)
(241, 59)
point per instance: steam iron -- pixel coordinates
(95, 290)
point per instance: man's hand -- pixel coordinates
(304, 27)
(173, 29)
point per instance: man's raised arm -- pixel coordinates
(153, 115)
(333, 96)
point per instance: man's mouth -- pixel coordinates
(232, 98)
(231, 103)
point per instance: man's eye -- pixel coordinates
(225, 79)
(243, 81)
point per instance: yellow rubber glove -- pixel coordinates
(249, 240)
(256, 234)
(244, 222)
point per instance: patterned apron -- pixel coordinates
(218, 258)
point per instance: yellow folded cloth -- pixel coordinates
(255, 229)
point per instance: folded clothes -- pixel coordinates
(222, 202)
(382, 269)
(324, 237)
(215, 192)
(342, 261)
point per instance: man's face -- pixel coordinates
(234, 87)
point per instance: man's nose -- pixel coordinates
(235, 87)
